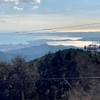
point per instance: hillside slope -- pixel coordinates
(67, 72)
(70, 74)
(34, 52)
(6, 56)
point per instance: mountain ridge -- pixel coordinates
(39, 48)
(33, 52)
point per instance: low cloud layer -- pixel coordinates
(19, 1)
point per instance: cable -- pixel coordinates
(69, 78)
(67, 27)
(48, 79)
(67, 10)
(84, 25)
(59, 11)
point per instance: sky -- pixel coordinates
(50, 15)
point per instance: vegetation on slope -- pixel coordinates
(64, 75)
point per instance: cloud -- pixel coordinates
(34, 7)
(19, 1)
(6, 20)
(10, 19)
(17, 8)
(38, 1)
(2, 20)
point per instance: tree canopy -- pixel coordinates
(55, 76)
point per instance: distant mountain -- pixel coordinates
(6, 56)
(34, 52)
(8, 47)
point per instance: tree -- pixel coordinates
(17, 80)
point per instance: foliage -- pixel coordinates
(17, 80)
(55, 76)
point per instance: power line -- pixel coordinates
(75, 26)
(68, 10)
(67, 27)
(69, 78)
(48, 79)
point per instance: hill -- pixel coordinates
(70, 74)
(66, 72)
(6, 56)
(34, 52)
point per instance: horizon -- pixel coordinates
(78, 39)
(21, 20)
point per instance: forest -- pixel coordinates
(70, 74)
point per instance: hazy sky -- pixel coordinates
(50, 15)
